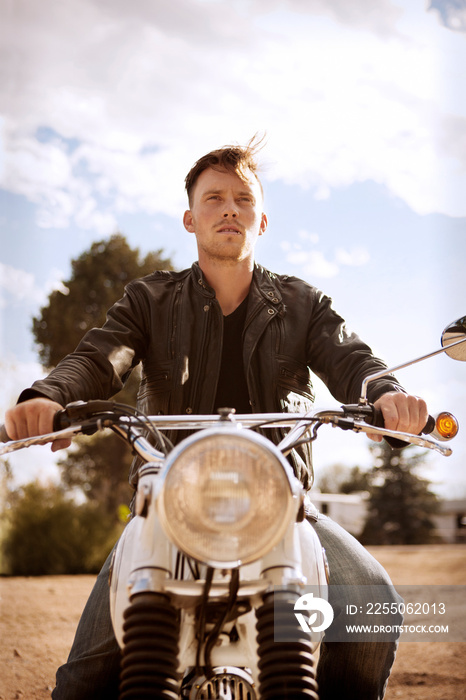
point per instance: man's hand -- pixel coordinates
(33, 417)
(402, 412)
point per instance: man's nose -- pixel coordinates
(230, 209)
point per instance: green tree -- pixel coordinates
(357, 481)
(48, 533)
(6, 477)
(98, 279)
(401, 504)
(339, 478)
(98, 466)
(330, 478)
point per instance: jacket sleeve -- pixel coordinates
(104, 358)
(340, 358)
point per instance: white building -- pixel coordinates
(350, 510)
(451, 521)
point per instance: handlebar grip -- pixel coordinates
(4, 437)
(61, 420)
(429, 426)
(378, 422)
(376, 419)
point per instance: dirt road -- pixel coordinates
(38, 617)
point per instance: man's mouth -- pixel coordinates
(229, 229)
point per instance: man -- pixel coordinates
(225, 332)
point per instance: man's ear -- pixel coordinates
(188, 221)
(263, 226)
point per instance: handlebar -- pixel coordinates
(91, 416)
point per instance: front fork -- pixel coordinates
(148, 629)
(287, 663)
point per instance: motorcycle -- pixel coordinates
(207, 579)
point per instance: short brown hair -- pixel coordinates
(236, 159)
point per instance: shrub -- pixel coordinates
(49, 533)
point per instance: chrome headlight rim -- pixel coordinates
(281, 471)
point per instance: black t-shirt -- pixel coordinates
(232, 390)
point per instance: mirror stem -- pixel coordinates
(383, 373)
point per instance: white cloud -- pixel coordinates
(308, 236)
(21, 286)
(17, 283)
(48, 175)
(54, 282)
(379, 16)
(354, 258)
(16, 376)
(346, 91)
(20, 298)
(29, 162)
(313, 264)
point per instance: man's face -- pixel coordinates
(226, 216)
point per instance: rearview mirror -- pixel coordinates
(453, 333)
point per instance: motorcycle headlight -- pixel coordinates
(226, 497)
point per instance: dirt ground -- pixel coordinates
(38, 617)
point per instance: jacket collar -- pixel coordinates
(200, 282)
(263, 283)
(266, 284)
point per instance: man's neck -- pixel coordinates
(231, 282)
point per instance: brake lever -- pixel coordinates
(396, 438)
(14, 445)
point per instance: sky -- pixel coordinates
(105, 105)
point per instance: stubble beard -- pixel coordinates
(227, 255)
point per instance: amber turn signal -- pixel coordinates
(446, 426)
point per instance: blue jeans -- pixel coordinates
(93, 666)
(350, 670)
(353, 670)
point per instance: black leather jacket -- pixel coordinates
(172, 323)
